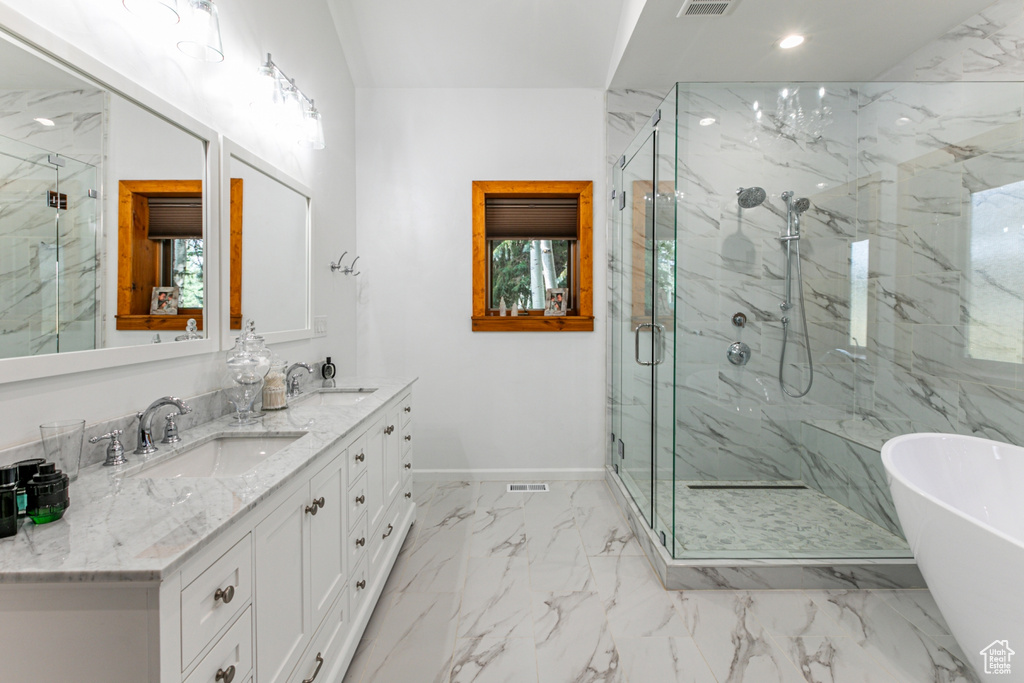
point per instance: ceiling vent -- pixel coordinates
(706, 8)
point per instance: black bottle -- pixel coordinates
(47, 494)
(26, 470)
(8, 501)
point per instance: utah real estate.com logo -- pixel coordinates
(997, 657)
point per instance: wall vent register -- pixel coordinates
(528, 488)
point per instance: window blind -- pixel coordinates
(547, 218)
(174, 218)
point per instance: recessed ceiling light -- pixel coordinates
(791, 41)
(45, 122)
(707, 121)
(902, 121)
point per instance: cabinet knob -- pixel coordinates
(361, 541)
(408, 494)
(317, 504)
(227, 675)
(319, 663)
(390, 529)
(389, 430)
(361, 584)
(408, 437)
(407, 409)
(225, 594)
(360, 457)
(360, 499)
(408, 465)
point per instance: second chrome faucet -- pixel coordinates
(145, 444)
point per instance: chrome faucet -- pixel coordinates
(145, 444)
(292, 381)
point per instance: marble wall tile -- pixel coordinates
(992, 412)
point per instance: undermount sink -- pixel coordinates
(336, 397)
(226, 456)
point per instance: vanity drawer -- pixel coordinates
(322, 660)
(405, 409)
(231, 656)
(357, 459)
(358, 542)
(213, 599)
(356, 501)
(386, 536)
(407, 438)
(358, 586)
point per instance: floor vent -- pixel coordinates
(722, 487)
(706, 8)
(528, 488)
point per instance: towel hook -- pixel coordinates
(346, 270)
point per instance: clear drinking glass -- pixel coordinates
(62, 443)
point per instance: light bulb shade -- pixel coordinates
(157, 11)
(201, 28)
(313, 130)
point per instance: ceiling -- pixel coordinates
(578, 43)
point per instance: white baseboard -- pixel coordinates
(509, 475)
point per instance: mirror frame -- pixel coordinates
(228, 149)
(39, 40)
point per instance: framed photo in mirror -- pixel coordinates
(165, 301)
(557, 301)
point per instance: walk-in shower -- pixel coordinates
(857, 264)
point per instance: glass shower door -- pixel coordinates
(637, 351)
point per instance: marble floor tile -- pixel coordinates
(490, 660)
(438, 562)
(573, 639)
(890, 639)
(833, 660)
(499, 523)
(561, 573)
(602, 527)
(791, 613)
(457, 498)
(663, 660)
(423, 492)
(416, 640)
(919, 608)
(496, 599)
(732, 641)
(636, 604)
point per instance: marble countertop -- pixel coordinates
(122, 526)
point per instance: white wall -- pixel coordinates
(303, 41)
(485, 400)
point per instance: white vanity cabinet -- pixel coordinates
(281, 594)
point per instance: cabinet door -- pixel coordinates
(392, 455)
(327, 536)
(375, 501)
(283, 624)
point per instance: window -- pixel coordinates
(529, 237)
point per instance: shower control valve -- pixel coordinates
(739, 353)
(739, 319)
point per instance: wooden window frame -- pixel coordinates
(138, 262)
(486, 319)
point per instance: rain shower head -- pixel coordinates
(801, 205)
(749, 197)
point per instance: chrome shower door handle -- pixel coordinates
(659, 344)
(636, 352)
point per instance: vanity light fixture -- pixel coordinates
(202, 31)
(791, 41)
(158, 11)
(288, 107)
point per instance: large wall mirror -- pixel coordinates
(269, 255)
(81, 262)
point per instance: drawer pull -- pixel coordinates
(361, 584)
(225, 594)
(227, 675)
(408, 437)
(361, 541)
(360, 457)
(319, 663)
(317, 504)
(407, 409)
(408, 494)
(408, 465)
(389, 429)
(390, 529)
(360, 499)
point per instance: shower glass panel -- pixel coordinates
(48, 256)
(905, 221)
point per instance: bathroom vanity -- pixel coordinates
(214, 561)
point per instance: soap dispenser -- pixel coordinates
(327, 371)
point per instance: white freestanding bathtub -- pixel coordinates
(960, 500)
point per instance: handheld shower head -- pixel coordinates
(801, 205)
(749, 197)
